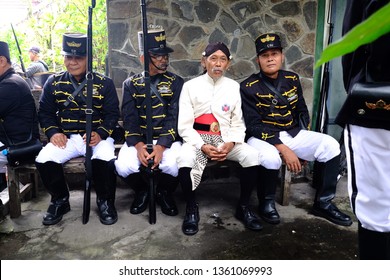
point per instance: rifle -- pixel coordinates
(149, 129)
(323, 116)
(88, 120)
(20, 52)
(322, 120)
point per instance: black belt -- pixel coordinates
(201, 127)
(213, 127)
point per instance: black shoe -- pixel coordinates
(168, 205)
(245, 215)
(56, 210)
(268, 212)
(191, 220)
(107, 211)
(331, 213)
(140, 202)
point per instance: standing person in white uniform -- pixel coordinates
(367, 137)
(212, 128)
(62, 118)
(273, 118)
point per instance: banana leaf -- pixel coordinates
(366, 32)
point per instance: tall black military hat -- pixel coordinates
(74, 44)
(4, 50)
(267, 41)
(157, 43)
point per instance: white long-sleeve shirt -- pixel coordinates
(202, 95)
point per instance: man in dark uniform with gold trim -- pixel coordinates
(165, 91)
(272, 104)
(63, 119)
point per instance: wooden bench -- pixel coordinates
(18, 190)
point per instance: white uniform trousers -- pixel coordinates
(75, 147)
(242, 153)
(3, 161)
(307, 145)
(128, 162)
(368, 153)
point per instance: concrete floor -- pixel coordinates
(299, 236)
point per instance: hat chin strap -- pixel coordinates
(162, 69)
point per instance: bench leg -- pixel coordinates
(285, 183)
(15, 209)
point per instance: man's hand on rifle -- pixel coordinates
(144, 156)
(95, 138)
(142, 153)
(156, 155)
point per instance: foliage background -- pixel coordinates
(46, 26)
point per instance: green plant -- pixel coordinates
(366, 32)
(46, 27)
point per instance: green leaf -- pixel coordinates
(366, 32)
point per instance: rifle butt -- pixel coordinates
(87, 202)
(152, 201)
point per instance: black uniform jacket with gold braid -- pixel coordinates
(55, 117)
(264, 117)
(164, 115)
(17, 109)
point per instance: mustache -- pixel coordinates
(162, 66)
(217, 69)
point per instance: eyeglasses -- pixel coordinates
(160, 57)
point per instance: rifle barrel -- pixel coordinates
(20, 52)
(88, 121)
(149, 126)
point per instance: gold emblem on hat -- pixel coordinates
(380, 104)
(160, 38)
(267, 38)
(73, 44)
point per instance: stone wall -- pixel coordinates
(191, 25)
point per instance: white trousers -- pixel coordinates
(242, 153)
(368, 153)
(128, 162)
(75, 147)
(3, 161)
(307, 145)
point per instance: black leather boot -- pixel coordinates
(166, 186)
(248, 179)
(191, 220)
(325, 182)
(248, 218)
(107, 211)
(141, 196)
(268, 211)
(56, 210)
(53, 178)
(266, 190)
(3, 182)
(104, 178)
(373, 245)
